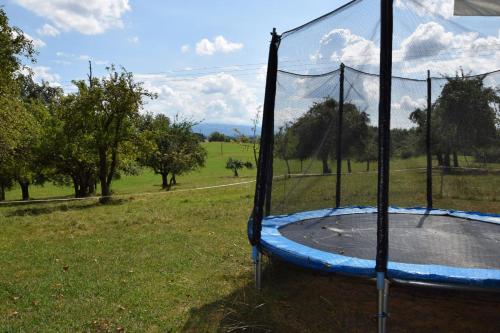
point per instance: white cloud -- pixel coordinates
(37, 43)
(444, 52)
(220, 44)
(217, 98)
(43, 73)
(84, 57)
(67, 58)
(134, 40)
(341, 45)
(262, 73)
(406, 103)
(205, 47)
(427, 40)
(89, 17)
(101, 62)
(48, 30)
(185, 48)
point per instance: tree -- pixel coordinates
(235, 165)
(33, 161)
(255, 138)
(15, 119)
(14, 46)
(218, 137)
(463, 119)
(173, 148)
(316, 132)
(113, 104)
(285, 145)
(71, 145)
(369, 151)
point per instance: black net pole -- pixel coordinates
(269, 182)
(384, 137)
(339, 138)
(428, 141)
(265, 151)
(384, 132)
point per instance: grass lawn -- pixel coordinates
(214, 173)
(180, 261)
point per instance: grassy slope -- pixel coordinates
(180, 262)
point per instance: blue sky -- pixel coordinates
(148, 37)
(206, 59)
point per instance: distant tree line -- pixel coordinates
(465, 121)
(86, 138)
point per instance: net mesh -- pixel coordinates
(465, 119)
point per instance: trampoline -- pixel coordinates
(402, 91)
(433, 246)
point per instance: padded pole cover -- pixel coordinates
(384, 134)
(265, 152)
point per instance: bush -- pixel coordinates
(218, 137)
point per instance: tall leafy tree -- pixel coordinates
(32, 165)
(464, 119)
(15, 121)
(71, 146)
(316, 132)
(113, 104)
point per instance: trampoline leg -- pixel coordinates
(257, 267)
(383, 295)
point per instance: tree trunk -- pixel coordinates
(349, 167)
(235, 172)
(164, 182)
(326, 169)
(447, 162)
(367, 165)
(91, 186)
(105, 192)
(301, 162)
(255, 155)
(75, 186)
(455, 159)
(103, 177)
(2, 192)
(25, 189)
(288, 167)
(440, 159)
(173, 181)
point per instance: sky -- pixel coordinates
(189, 52)
(206, 60)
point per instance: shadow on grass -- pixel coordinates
(293, 300)
(47, 208)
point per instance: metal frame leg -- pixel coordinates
(383, 295)
(257, 267)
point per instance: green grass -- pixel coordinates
(214, 173)
(180, 261)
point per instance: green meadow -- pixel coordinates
(179, 261)
(214, 173)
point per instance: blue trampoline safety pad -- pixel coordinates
(275, 243)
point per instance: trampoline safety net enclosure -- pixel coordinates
(317, 183)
